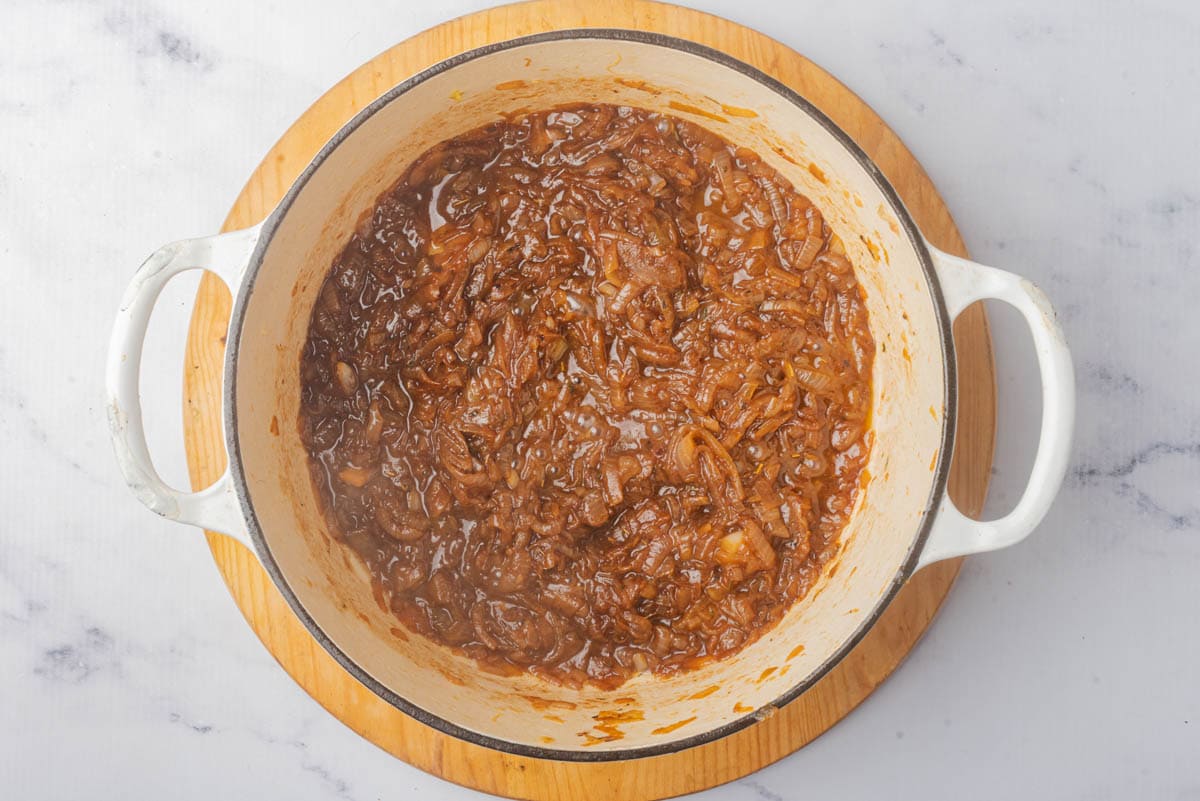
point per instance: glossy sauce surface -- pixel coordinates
(589, 393)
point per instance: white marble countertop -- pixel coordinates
(1063, 136)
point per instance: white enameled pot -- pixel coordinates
(903, 519)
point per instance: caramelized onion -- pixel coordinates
(588, 393)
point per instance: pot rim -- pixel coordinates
(945, 451)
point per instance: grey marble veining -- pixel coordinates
(1063, 137)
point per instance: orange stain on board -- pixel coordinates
(624, 700)
(933, 461)
(679, 724)
(274, 425)
(795, 652)
(742, 708)
(399, 634)
(506, 86)
(766, 674)
(817, 173)
(687, 108)
(546, 740)
(554, 718)
(707, 691)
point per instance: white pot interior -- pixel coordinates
(909, 393)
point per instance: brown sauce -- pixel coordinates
(589, 393)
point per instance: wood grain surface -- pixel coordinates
(521, 777)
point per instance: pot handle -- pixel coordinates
(953, 534)
(216, 507)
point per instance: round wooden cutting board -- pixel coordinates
(522, 777)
